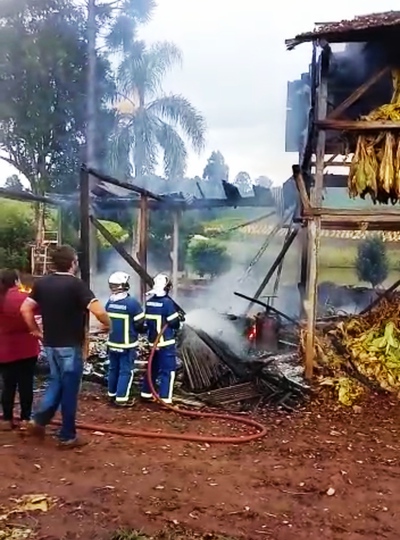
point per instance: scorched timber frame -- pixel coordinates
(148, 200)
(314, 217)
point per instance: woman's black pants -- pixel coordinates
(18, 375)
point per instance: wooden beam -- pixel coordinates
(175, 252)
(301, 187)
(84, 251)
(314, 226)
(311, 303)
(356, 125)
(142, 273)
(26, 196)
(355, 96)
(288, 242)
(144, 225)
(125, 185)
(368, 215)
(322, 108)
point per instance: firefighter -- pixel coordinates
(127, 321)
(161, 311)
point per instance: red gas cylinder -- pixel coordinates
(267, 328)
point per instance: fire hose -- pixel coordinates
(261, 430)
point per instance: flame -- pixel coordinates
(25, 289)
(252, 333)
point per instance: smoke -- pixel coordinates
(218, 295)
(218, 327)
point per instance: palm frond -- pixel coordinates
(178, 110)
(132, 71)
(145, 143)
(174, 148)
(141, 10)
(160, 58)
(121, 143)
(121, 34)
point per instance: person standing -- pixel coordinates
(64, 301)
(127, 321)
(19, 350)
(162, 317)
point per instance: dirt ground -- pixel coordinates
(319, 474)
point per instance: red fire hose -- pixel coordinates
(261, 430)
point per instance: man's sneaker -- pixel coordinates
(72, 443)
(125, 404)
(35, 430)
(24, 425)
(6, 425)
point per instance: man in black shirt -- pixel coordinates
(64, 302)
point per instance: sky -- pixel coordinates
(235, 71)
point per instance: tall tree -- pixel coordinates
(43, 75)
(150, 121)
(263, 181)
(43, 66)
(243, 182)
(216, 168)
(13, 183)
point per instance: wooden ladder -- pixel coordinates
(40, 253)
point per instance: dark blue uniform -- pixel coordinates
(127, 318)
(161, 311)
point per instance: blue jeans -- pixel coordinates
(120, 374)
(66, 369)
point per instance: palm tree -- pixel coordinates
(148, 120)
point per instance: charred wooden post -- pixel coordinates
(142, 272)
(144, 225)
(84, 255)
(175, 251)
(285, 248)
(314, 226)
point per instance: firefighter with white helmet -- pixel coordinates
(161, 312)
(127, 321)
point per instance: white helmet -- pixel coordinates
(119, 279)
(162, 285)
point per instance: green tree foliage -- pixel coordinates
(13, 183)
(149, 120)
(160, 236)
(208, 257)
(372, 264)
(119, 20)
(43, 87)
(16, 233)
(116, 230)
(216, 168)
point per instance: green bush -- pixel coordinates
(372, 263)
(115, 229)
(16, 234)
(208, 257)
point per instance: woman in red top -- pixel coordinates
(19, 350)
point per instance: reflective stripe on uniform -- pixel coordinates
(118, 347)
(173, 317)
(125, 398)
(139, 316)
(158, 320)
(125, 318)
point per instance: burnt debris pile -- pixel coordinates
(226, 370)
(221, 376)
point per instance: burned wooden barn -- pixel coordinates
(348, 119)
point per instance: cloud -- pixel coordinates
(236, 69)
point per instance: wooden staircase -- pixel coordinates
(40, 253)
